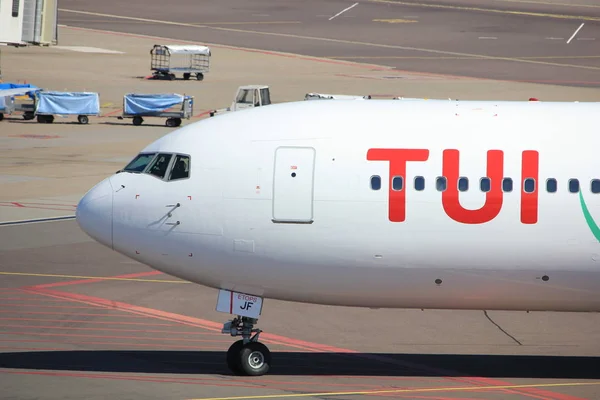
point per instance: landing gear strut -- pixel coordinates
(246, 356)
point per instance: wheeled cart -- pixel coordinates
(82, 104)
(168, 60)
(136, 106)
(16, 97)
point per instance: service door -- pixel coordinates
(293, 184)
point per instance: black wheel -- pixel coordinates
(83, 119)
(200, 76)
(170, 122)
(137, 120)
(45, 119)
(27, 115)
(177, 121)
(255, 359)
(1, 116)
(49, 119)
(186, 75)
(233, 356)
(172, 77)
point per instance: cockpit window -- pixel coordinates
(159, 166)
(181, 168)
(139, 163)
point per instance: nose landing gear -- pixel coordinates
(246, 356)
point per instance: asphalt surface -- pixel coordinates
(526, 41)
(80, 321)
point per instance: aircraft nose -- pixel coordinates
(94, 213)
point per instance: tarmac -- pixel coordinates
(80, 321)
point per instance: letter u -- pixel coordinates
(493, 198)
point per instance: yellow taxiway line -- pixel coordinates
(490, 10)
(422, 390)
(548, 3)
(458, 58)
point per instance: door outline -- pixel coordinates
(312, 186)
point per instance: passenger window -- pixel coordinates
(573, 185)
(375, 182)
(529, 185)
(485, 184)
(441, 183)
(139, 163)
(463, 184)
(181, 168)
(419, 183)
(397, 183)
(595, 186)
(551, 185)
(159, 166)
(507, 185)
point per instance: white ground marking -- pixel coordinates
(85, 49)
(343, 11)
(571, 38)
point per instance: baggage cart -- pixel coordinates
(168, 60)
(82, 104)
(17, 97)
(137, 106)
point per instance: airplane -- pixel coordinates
(438, 204)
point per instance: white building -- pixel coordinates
(24, 22)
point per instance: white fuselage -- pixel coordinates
(325, 236)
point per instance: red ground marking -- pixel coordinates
(112, 113)
(121, 377)
(315, 347)
(202, 114)
(49, 204)
(6, 204)
(45, 306)
(95, 329)
(92, 280)
(73, 314)
(87, 322)
(38, 298)
(34, 348)
(168, 339)
(78, 342)
(191, 321)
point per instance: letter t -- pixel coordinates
(398, 159)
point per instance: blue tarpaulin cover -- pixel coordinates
(65, 103)
(8, 86)
(144, 104)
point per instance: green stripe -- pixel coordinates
(588, 218)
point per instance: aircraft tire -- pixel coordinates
(255, 359)
(233, 356)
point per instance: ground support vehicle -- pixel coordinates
(137, 106)
(168, 60)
